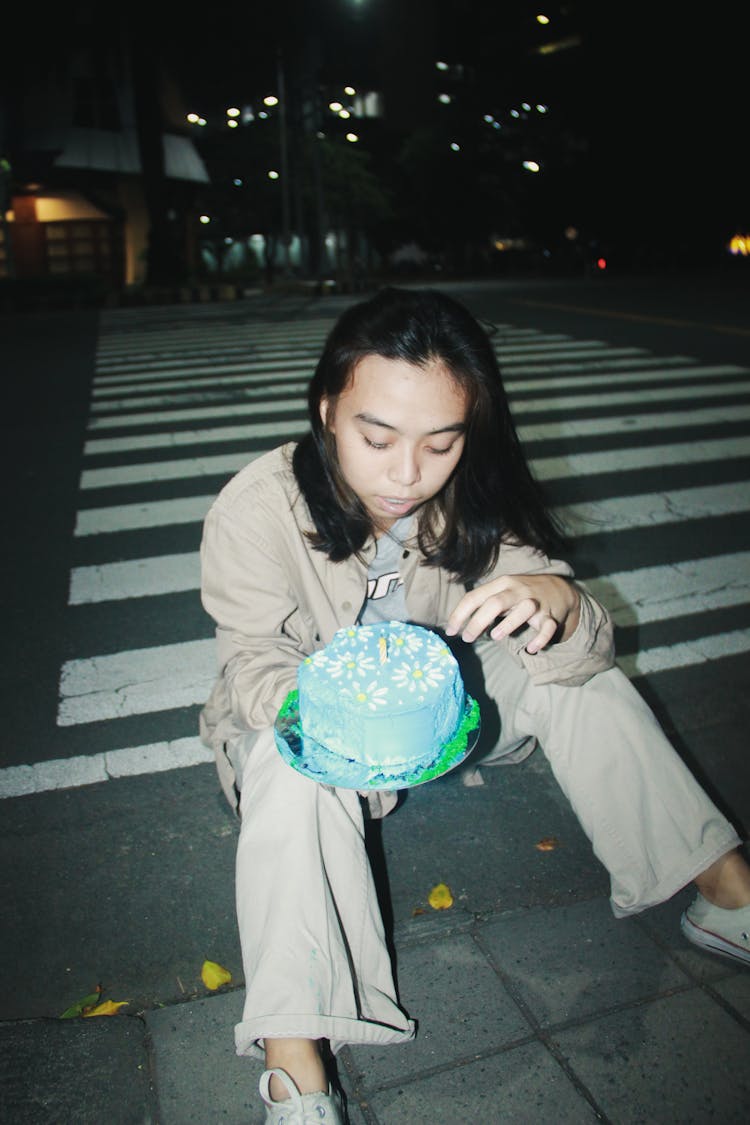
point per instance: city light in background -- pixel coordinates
(476, 135)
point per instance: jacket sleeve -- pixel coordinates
(261, 638)
(590, 649)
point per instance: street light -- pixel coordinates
(281, 100)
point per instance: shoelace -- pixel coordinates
(301, 1116)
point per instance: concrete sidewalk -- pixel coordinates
(551, 1014)
(534, 1004)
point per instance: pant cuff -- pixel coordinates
(338, 1030)
(673, 883)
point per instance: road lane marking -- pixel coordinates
(163, 677)
(106, 685)
(605, 397)
(136, 682)
(660, 593)
(133, 761)
(545, 468)
(189, 365)
(542, 431)
(169, 574)
(652, 509)
(138, 578)
(220, 382)
(63, 773)
(688, 654)
(137, 517)
(580, 465)
(640, 318)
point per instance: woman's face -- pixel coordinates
(400, 432)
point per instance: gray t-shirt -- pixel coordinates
(385, 588)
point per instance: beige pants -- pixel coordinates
(314, 954)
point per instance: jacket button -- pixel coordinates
(405, 555)
(346, 605)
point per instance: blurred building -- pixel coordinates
(90, 188)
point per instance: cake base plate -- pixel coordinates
(326, 767)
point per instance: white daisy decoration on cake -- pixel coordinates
(350, 664)
(414, 676)
(370, 695)
(438, 650)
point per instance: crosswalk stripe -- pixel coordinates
(233, 374)
(584, 427)
(141, 681)
(649, 369)
(246, 404)
(686, 654)
(179, 369)
(623, 460)
(631, 423)
(120, 418)
(136, 682)
(133, 761)
(65, 773)
(657, 593)
(653, 509)
(156, 372)
(608, 396)
(134, 517)
(217, 372)
(167, 574)
(139, 578)
(545, 468)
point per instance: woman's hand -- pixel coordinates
(548, 603)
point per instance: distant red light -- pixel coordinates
(601, 263)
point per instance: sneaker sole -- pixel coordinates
(712, 942)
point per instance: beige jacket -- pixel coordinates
(274, 600)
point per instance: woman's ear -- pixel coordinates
(323, 410)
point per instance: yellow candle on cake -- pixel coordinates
(383, 646)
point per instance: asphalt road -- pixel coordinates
(127, 880)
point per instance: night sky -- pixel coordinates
(660, 96)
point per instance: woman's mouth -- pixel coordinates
(396, 505)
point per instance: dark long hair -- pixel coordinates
(491, 497)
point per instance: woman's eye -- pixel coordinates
(375, 444)
(441, 452)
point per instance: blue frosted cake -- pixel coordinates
(388, 696)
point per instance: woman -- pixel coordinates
(411, 499)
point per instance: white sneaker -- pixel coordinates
(298, 1109)
(726, 932)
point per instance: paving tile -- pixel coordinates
(524, 1086)
(155, 898)
(736, 991)
(460, 1006)
(83, 1071)
(679, 1059)
(198, 1075)
(482, 842)
(573, 961)
(200, 1078)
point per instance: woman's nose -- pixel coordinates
(405, 468)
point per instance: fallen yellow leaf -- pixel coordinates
(440, 897)
(106, 1008)
(547, 844)
(214, 975)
